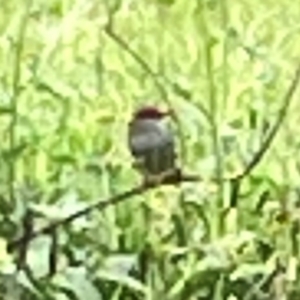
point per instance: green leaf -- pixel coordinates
(166, 2)
(15, 152)
(64, 159)
(38, 255)
(120, 263)
(124, 280)
(248, 271)
(5, 110)
(77, 281)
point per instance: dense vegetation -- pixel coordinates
(72, 72)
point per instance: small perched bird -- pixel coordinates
(152, 144)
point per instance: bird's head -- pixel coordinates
(151, 113)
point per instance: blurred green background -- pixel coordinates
(72, 73)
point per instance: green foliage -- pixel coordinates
(71, 74)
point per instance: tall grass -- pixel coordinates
(71, 74)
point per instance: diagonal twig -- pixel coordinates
(99, 205)
(109, 30)
(258, 156)
(274, 130)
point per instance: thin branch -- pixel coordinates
(109, 30)
(114, 36)
(16, 78)
(237, 180)
(99, 205)
(273, 131)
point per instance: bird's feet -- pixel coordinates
(167, 177)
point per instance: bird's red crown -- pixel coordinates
(150, 112)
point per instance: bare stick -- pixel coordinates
(99, 205)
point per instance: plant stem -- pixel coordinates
(16, 78)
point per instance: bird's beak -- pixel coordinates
(169, 113)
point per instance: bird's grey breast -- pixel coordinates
(145, 135)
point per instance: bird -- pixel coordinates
(152, 144)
